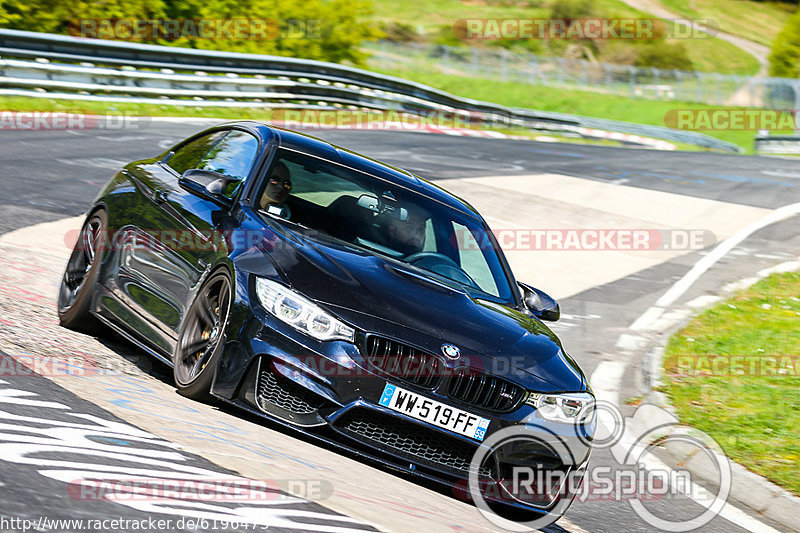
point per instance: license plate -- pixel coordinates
(433, 412)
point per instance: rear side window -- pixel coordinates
(188, 156)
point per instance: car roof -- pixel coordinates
(302, 142)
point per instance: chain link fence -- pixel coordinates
(605, 78)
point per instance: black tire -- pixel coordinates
(80, 277)
(200, 339)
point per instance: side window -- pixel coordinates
(472, 259)
(189, 155)
(232, 156)
(430, 237)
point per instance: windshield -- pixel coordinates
(384, 218)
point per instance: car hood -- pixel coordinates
(383, 296)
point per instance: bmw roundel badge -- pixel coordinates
(451, 351)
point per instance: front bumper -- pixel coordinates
(271, 369)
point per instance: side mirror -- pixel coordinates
(208, 185)
(540, 303)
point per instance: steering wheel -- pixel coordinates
(442, 265)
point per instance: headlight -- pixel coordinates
(563, 407)
(300, 313)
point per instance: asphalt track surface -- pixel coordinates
(49, 175)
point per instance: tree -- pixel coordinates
(312, 29)
(784, 60)
(328, 30)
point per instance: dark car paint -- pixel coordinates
(145, 290)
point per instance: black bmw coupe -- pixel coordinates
(338, 295)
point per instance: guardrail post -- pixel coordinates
(796, 88)
(383, 52)
(632, 81)
(699, 91)
(657, 82)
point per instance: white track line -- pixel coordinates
(607, 377)
(649, 318)
(683, 284)
(606, 380)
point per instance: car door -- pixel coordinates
(182, 233)
(205, 227)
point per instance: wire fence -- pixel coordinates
(605, 78)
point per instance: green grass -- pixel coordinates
(716, 55)
(757, 21)
(755, 416)
(708, 55)
(506, 93)
(586, 103)
(20, 103)
(430, 15)
(594, 104)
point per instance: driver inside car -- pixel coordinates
(406, 236)
(279, 185)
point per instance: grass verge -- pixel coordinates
(758, 21)
(431, 18)
(751, 405)
(580, 102)
(593, 104)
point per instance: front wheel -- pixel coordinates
(80, 277)
(201, 338)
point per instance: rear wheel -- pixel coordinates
(200, 339)
(80, 277)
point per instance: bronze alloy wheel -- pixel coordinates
(78, 283)
(201, 337)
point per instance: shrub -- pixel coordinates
(784, 60)
(663, 55)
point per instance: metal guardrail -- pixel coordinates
(58, 66)
(777, 144)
